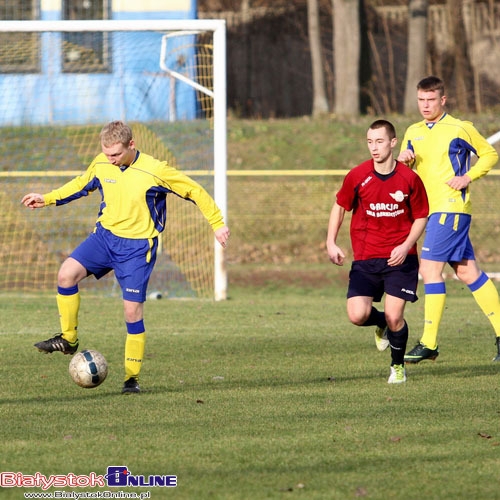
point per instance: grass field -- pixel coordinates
(270, 394)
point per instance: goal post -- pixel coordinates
(61, 82)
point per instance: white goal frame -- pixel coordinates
(218, 27)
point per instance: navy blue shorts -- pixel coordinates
(374, 277)
(447, 238)
(131, 260)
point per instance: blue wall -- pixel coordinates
(136, 89)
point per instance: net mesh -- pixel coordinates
(288, 225)
(59, 91)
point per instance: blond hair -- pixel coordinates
(115, 132)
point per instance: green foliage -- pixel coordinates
(319, 143)
(269, 394)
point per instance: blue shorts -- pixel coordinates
(131, 260)
(447, 238)
(374, 277)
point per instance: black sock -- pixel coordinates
(376, 318)
(398, 341)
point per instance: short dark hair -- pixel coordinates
(430, 83)
(389, 127)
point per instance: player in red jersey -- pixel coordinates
(389, 212)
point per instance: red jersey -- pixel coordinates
(384, 208)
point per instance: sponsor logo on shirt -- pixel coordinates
(398, 196)
(388, 209)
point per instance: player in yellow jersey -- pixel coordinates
(441, 148)
(133, 187)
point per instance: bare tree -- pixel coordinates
(346, 43)
(320, 102)
(417, 50)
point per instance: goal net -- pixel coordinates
(60, 82)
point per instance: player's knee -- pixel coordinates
(70, 273)
(134, 311)
(468, 276)
(356, 318)
(394, 323)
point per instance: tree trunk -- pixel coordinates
(417, 50)
(346, 43)
(320, 102)
(460, 55)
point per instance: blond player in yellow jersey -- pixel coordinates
(132, 213)
(441, 149)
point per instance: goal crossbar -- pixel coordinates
(115, 25)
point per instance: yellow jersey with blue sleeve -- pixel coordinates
(133, 198)
(443, 150)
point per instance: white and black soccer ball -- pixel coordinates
(88, 368)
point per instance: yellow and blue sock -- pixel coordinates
(486, 295)
(134, 349)
(435, 298)
(68, 305)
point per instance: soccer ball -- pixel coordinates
(88, 368)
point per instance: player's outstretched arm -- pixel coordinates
(33, 200)
(222, 235)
